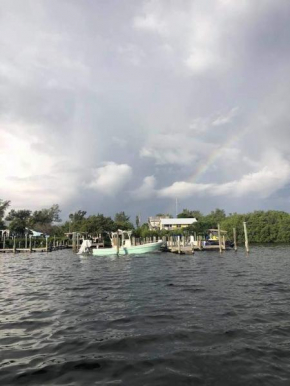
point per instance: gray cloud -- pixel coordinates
(192, 93)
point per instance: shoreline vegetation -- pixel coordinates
(263, 226)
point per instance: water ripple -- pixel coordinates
(152, 320)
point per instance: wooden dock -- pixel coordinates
(183, 250)
(211, 248)
(28, 250)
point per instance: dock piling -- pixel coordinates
(118, 247)
(30, 243)
(235, 239)
(219, 236)
(246, 237)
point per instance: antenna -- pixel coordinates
(176, 207)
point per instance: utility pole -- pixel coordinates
(176, 207)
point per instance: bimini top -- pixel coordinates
(178, 221)
(216, 230)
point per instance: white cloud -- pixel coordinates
(194, 31)
(262, 183)
(202, 59)
(183, 189)
(150, 22)
(223, 119)
(121, 142)
(31, 177)
(132, 54)
(111, 178)
(146, 190)
(175, 149)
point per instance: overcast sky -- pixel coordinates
(111, 105)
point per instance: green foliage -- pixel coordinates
(190, 214)
(263, 227)
(19, 221)
(77, 216)
(46, 216)
(42, 220)
(215, 217)
(122, 221)
(98, 224)
(167, 215)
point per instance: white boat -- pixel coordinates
(121, 247)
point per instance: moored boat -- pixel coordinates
(121, 246)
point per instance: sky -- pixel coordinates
(125, 105)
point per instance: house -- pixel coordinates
(154, 222)
(176, 223)
(4, 232)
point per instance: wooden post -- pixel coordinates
(30, 243)
(178, 244)
(46, 244)
(224, 242)
(4, 239)
(54, 241)
(246, 237)
(219, 236)
(78, 242)
(74, 241)
(26, 241)
(198, 243)
(235, 239)
(14, 244)
(118, 246)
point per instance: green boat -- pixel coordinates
(121, 246)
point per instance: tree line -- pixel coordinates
(263, 226)
(270, 226)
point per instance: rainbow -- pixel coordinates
(213, 156)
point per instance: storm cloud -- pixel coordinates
(108, 106)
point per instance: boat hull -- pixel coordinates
(131, 250)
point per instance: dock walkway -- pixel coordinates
(28, 250)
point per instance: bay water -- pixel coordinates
(156, 319)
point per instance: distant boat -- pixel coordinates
(213, 238)
(125, 246)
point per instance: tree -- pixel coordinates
(3, 207)
(215, 217)
(97, 224)
(77, 216)
(137, 221)
(43, 219)
(190, 214)
(122, 221)
(19, 220)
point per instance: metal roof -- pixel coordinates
(178, 221)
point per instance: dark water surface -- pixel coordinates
(153, 320)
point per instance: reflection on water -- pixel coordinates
(146, 320)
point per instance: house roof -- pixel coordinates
(178, 221)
